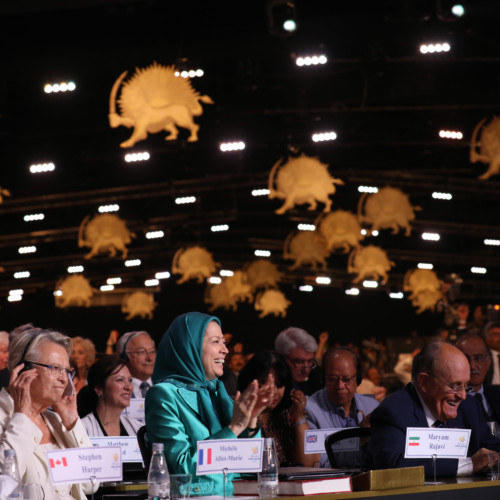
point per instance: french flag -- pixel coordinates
(205, 456)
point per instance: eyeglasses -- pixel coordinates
(337, 380)
(455, 388)
(143, 352)
(299, 363)
(478, 358)
(55, 369)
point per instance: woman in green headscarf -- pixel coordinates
(188, 403)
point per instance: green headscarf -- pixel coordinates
(178, 361)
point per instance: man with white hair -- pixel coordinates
(299, 349)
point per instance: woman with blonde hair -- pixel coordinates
(82, 358)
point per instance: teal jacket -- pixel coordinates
(173, 418)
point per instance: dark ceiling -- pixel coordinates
(385, 100)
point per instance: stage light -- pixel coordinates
(282, 17)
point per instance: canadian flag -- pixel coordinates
(58, 463)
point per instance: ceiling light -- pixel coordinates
(50, 88)
(151, 235)
(324, 136)
(282, 17)
(114, 281)
(191, 73)
(352, 291)
(451, 134)
(14, 298)
(219, 227)
(133, 157)
(262, 253)
(232, 146)
(42, 167)
(425, 265)
(18, 291)
(458, 10)
(323, 280)
(432, 48)
(75, 269)
(226, 272)
(370, 284)
(32, 217)
(185, 199)
(306, 288)
(364, 232)
(442, 196)
(214, 280)
(367, 189)
(374, 232)
(396, 295)
(494, 243)
(152, 282)
(162, 275)
(260, 192)
(28, 249)
(431, 236)
(478, 270)
(107, 288)
(133, 263)
(312, 61)
(21, 275)
(57, 293)
(108, 208)
(306, 227)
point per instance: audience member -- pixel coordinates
(436, 396)
(82, 357)
(476, 351)
(236, 361)
(337, 405)
(284, 417)
(107, 394)
(188, 403)
(492, 336)
(299, 350)
(40, 379)
(4, 358)
(322, 347)
(138, 350)
(370, 384)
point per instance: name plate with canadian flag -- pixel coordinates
(80, 465)
(229, 455)
(425, 442)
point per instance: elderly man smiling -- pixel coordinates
(436, 397)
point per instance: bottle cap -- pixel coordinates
(157, 446)
(9, 453)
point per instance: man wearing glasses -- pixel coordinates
(299, 350)
(436, 397)
(138, 350)
(476, 350)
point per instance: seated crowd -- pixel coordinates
(59, 392)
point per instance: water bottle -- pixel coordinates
(268, 478)
(158, 478)
(11, 469)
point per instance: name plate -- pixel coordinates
(314, 441)
(229, 455)
(136, 409)
(79, 465)
(424, 442)
(128, 444)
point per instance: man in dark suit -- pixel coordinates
(476, 350)
(437, 396)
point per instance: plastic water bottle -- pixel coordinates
(11, 469)
(268, 478)
(158, 478)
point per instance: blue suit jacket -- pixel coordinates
(492, 394)
(403, 409)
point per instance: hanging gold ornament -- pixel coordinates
(425, 288)
(305, 248)
(262, 273)
(271, 302)
(75, 290)
(156, 100)
(340, 229)
(369, 262)
(193, 263)
(138, 304)
(486, 149)
(302, 180)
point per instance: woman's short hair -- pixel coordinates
(25, 345)
(258, 368)
(294, 337)
(88, 347)
(99, 372)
